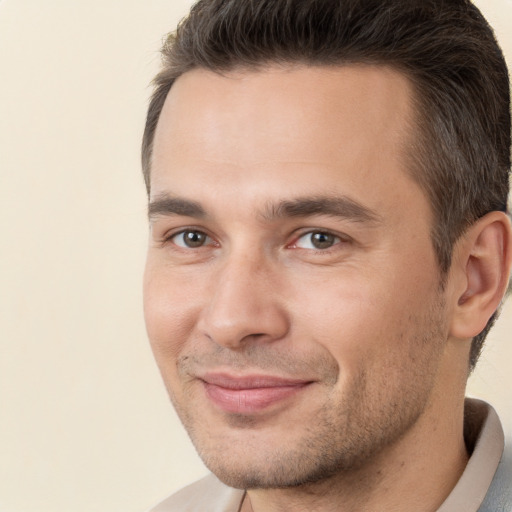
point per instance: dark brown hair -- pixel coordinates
(461, 153)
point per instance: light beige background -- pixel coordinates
(85, 425)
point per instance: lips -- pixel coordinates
(251, 393)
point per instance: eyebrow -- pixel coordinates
(338, 206)
(165, 205)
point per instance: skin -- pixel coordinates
(380, 349)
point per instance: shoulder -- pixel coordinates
(209, 493)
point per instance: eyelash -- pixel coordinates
(170, 238)
(336, 240)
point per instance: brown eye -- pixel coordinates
(191, 239)
(317, 240)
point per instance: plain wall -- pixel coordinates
(85, 422)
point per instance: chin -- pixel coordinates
(255, 460)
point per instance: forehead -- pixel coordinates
(302, 128)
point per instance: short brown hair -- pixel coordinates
(461, 154)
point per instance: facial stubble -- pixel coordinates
(341, 435)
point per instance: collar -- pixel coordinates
(485, 441)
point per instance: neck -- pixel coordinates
(416, 473)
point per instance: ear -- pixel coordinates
(483, 259)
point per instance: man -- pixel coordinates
(329, 246)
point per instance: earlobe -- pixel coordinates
(485, 258)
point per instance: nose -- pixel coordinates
(245, 305)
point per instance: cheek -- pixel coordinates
(365, 324)
(169, 315)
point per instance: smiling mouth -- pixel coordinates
(249, 394)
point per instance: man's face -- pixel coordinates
(292, 296)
